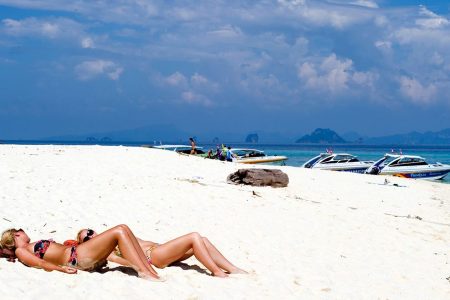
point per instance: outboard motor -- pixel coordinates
(375, 169)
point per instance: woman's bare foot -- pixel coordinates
(150, 277)
(238, 271)
(220, 274)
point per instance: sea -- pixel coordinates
(297, 153)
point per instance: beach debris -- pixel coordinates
(191, 180)
(256, 194)
(407, 216)
(259, 177)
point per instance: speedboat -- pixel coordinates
(185, 149)
(408, 166)
(337, 162)
(253, 156)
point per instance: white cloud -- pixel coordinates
(416, 91)
(333, 75)
(381, 21)
(431, 20)
(49, 28)
(318, 14)
(87, 42)
(191, 97)
(95, 68)
(366, 3)
(198, 79)
(176, 79)
(227, 31)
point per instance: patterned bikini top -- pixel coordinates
(41, 247)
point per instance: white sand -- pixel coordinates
(328, 235)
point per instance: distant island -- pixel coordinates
(321, 136)
(252, 138)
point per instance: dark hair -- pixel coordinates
(8, 254)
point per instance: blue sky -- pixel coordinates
(288, 66)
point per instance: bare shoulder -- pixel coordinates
(26, 257)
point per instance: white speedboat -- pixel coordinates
(253, 156)
(337, 162)
(408, 166)
(186, 149)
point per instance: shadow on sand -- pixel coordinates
(130, 271)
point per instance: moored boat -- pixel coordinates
(337, 162)
(185, 149)
(254, 156)
(408, 166)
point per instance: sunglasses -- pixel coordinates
(19, 230)
(89, 234)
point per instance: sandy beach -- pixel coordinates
(328, 235)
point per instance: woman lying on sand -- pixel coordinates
(49, 255)
(176, 250)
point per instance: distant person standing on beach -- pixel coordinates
(229, 156)
(193, 151)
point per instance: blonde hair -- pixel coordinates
(7, 241)
(79, 240)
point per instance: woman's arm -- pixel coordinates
(32, 261)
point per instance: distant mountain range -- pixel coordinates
(171, 134)
(328, 136)
(413, 138)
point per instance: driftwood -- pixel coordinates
(259, 177)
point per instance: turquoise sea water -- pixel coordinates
(299, 154)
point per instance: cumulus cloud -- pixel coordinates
(87, 42)
(198, 79)
(415, 91)
(193, 90)
(332, 75)
(191, 97)
(176, 79)
(96, 68)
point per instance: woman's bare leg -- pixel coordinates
(217, 257)
(138, 249)
(173, 250)
(220, 260)
(102, 245)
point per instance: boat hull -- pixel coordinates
(260, 160)
(352, 170)
(359, 167)
(430, 175)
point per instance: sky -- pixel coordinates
(375, 67)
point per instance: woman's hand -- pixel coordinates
(69, 270)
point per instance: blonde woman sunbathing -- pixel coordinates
(50, 256)
(176, 250)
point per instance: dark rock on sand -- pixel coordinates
(259, 177)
